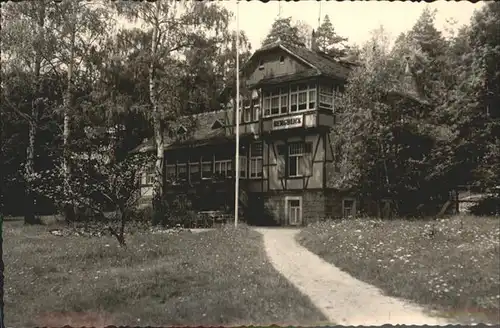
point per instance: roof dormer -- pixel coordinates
(217, 125)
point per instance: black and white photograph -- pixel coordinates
(236, 163)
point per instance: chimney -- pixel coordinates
(314, 45)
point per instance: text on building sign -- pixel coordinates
(287, 122)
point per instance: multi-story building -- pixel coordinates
(286, 157)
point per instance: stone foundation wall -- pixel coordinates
(316, 205)
(333, 204)
(313, 208)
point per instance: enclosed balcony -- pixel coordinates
(305, 104)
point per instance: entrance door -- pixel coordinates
(294, 210)
(348, 208)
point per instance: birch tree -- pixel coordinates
(80, 27)
(173, 26)
(27, 52)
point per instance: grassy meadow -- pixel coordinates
(218, 277)
(451, 265)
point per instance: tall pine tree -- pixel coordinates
(284, 31)
(328, 41)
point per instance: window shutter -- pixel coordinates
(280, 159)
(281, 150)
(308, 159)
(281, 166)
(306, 165)
(308, 148)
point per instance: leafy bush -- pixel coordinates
(174, 210)
(96, 186)
(142, 214)
(487, 207)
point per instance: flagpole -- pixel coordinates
(319, 15)
(237, 118)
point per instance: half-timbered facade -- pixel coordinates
(286, 156)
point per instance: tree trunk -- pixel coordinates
(119, 234)
(29, 202)
(29, 206)
(69, 211)
(123, 221)
(157, 127)
(379, 209)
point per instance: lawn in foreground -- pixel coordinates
(220, 277)
(453, 267)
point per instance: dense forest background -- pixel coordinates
(70, 65)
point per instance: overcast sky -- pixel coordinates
(353, 20)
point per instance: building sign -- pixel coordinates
(287, 122)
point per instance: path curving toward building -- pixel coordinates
(343, 299)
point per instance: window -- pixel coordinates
(182, 171)
(295, 154)
(312, 98)
(293, 102)
(261, 64)
(243, 166)
(256, 160)
(206, 170)
(245, 110)
(241, 112)
(267, 106)
(284, 104)
(170, 172)
(282, 59)
(348, 207)
(275, 101)
(275, 104)
(247, 114)
(302, 100)
(294, 210)
(148, 177)
(299, 159)
(255, 109)
(326, 96)
(194, 171)
(224, 168)
(302, 97)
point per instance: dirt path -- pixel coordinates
(343, 299)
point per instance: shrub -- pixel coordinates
(487, 207)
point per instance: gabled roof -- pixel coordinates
(320, 64)
(325, 64)
(199, 130)
(217, 124)
(405, 95)
(287, 78)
